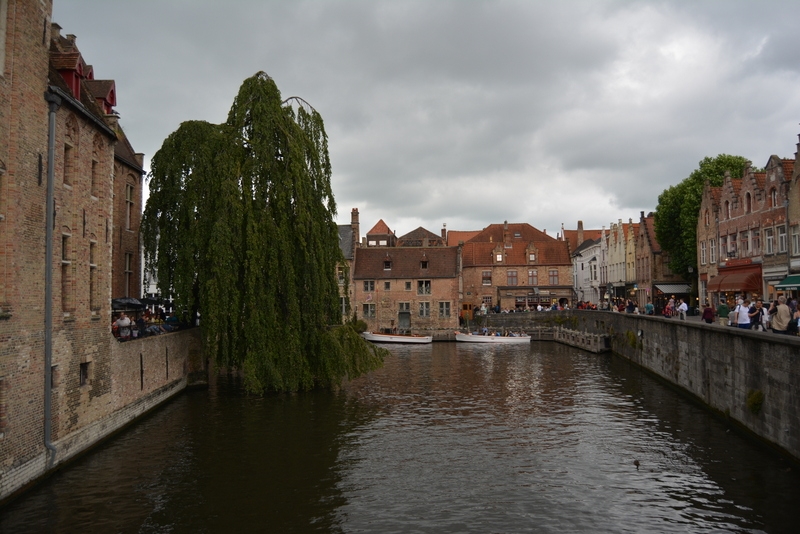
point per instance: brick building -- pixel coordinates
(655, 281)
(515, 266)
(406, 288)
(743, 246)
(58, 130)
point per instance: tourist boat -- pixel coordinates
(396, 338)
(490, 338)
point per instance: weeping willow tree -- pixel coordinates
(239, 228)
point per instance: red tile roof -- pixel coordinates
(456, 236)
(406, 262)
(380, 228)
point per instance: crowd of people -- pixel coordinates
(781, 317)
(144, 323)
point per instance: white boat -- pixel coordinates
(396, 338)
(488, 338)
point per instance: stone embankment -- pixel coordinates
(752, 378)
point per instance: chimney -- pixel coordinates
(506, 237)
(55, 31)
(444, 232)
(354, 228)
(580, 233)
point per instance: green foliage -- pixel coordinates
(239, 226)
(755, 398)
(679, 207)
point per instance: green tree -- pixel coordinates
(679, 207)
(239, 227)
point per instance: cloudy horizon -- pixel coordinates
(471, 113)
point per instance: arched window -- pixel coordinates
(727, 210)
(773, 198)
(706, 217)
(748, 203)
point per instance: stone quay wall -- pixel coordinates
(144, 374)
(753, 378)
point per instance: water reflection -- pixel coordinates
(445, 438)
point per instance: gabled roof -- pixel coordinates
(587, 243)
(380, 229)
(416, 238)
(405, 263)
(454, 237)
(494, 233)
(105, 89)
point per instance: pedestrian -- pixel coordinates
(722, 313)
(743, 314)
(123, 325)
(756, 314)
(682, 309)
(781, 317)
(708, 313)
(648, 308)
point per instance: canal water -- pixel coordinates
(445, 438)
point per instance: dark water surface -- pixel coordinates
(445, 438)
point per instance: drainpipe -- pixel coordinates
(54, 102)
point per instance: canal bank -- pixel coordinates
(140, 375)
(752, 378)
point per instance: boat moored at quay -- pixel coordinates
(396, 338)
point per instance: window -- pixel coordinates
(387, 286)
(66, 274)
(85, 379)
(387, 265)
(408, 286)
(128, 273)
(372, 243)
(424, 309)
(706, 218)
(511, 278)
(769, 241)
(368, 311)
(781, 239)
(423, 264)
(517, 235)
(94, 303)
(69, 164)
(712, 249)
(533, 277)
(424, 287)
(773, 198)
(723, 247)
(553, 277)
(748, 203)
(795, 240)
(382, 242)
(369, 286)
(128, 206)
(486, 278)
(487, 299)
(404, 307)
(340, 274)
(531, 257)
(703, 253)
(444, 309)
(498, 258)
(744, 241)
(727, 210)
(343, 305)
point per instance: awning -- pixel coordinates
(741, 281)
(790, 283)
(674, 288)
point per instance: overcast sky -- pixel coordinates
(465, 112)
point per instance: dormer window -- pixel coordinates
(423, 264)
(387, 265)
(531, 257)
(517, 235)
(498, 257)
